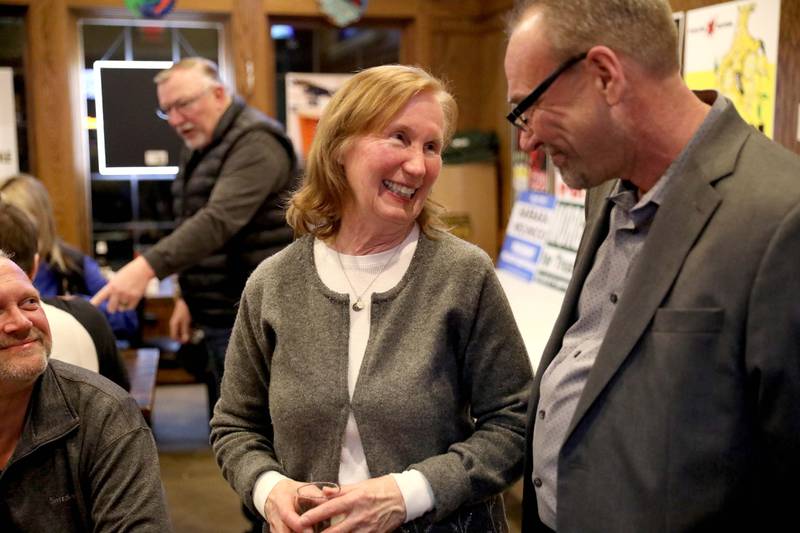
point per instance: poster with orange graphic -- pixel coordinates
(307, 94)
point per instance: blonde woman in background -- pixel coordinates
(63, 269)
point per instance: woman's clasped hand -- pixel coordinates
(373, 505)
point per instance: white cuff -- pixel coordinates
(264, 485)
(417, 493)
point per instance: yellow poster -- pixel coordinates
(733, 47)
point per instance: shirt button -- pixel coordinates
(537, 482)
(613, 298)
(541, 414)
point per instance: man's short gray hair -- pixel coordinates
(640, 29)
(205, 66)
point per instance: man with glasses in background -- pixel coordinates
(236, 170)
(667, 397)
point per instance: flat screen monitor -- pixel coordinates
(131, 138)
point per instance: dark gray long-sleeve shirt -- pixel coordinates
(86, 460)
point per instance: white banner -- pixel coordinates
(9, 155)
(307, 94)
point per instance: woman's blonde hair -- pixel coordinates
(29, 195)
(366, 103)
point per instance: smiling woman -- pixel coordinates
(382, 347)
(390, 173)
(377, 104)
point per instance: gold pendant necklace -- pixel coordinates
(358, 304)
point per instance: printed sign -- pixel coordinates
(733, 47)
(9, 155)
(307, 94)
(543, 235)
(526, 234)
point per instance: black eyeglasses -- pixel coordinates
(181, 105)
(516, 117)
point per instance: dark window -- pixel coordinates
(132, 212)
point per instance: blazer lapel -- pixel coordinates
(687, 207)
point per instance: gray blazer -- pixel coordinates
(442, 389)
(690, 418)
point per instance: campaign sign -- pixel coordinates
(526, 234)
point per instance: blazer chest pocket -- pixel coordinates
(703, 320)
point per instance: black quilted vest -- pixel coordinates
(213, 286)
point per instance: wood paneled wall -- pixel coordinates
(55, 112)
(460, 40)
(468, 52)
(253, 59)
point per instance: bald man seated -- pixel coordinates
(75, 452)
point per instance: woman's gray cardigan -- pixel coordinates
(442, 389)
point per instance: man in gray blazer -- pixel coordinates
(668, 396)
